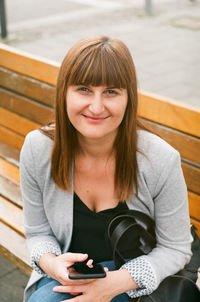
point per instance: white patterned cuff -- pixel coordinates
(41, 249)
(143, 275)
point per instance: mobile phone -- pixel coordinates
(81, 271)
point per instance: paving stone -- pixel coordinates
(5, 266)
(12, 285)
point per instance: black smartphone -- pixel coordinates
(81, 271)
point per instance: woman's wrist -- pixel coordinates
(122, 281)
(45, 262)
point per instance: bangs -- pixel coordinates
(98, 66)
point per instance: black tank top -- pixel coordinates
(89, 230)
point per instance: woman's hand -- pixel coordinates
(56, 267)
(100, 290)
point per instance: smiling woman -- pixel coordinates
(94, 162)
(99, 63)
(100, 106)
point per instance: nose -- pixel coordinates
(96, 106)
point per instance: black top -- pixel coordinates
(89, 230)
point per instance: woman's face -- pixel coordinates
(96, 112)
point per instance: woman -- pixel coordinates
(94, 162)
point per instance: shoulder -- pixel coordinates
(156, 159)
(38, 136)
(37, 146)
(154, 147)
(39, 139)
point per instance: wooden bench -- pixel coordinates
(27, 88)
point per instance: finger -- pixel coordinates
(72, 300)
(76, 299)
(78, 282)
(90, 263)
(75, 257)
(74, 294)
(68, 289)
(106, 269)
(82, 281)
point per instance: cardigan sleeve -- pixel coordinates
(172, 226)
(39, 235)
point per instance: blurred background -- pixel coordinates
(163, 36)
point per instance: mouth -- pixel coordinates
(94, 119)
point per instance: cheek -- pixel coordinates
(70, 110)
(71, 106)
(121, 114)
(121, 110)
(124, 102)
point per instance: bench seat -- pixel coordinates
(27, 91)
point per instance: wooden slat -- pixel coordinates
(11, 215)
(27, 86)
(34, 111)
(11, 138)
(166, 111)
(17, 123)
(13, 247)
(28, 64)
(171, 113)
(9, 171)
(192, 177)
(197, 226)
(194, 205)
(187, 145)
(9, 153)
(11, 191)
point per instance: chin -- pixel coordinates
(94, 135)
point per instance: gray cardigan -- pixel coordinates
(48, 210)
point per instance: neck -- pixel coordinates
(96, 148)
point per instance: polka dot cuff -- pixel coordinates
(144, 276)
(41, 249)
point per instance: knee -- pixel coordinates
(44, 292)
(37, 297)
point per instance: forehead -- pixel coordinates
(98, 69)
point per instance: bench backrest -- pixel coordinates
(27, 89)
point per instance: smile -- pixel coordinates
(94, 119)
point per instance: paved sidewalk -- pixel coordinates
(12, 282)
(165, 46)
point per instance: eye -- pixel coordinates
(111, 92)
(83, 90)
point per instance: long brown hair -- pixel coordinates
(97, 61)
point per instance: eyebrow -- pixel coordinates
(106, 87)
(114, 88)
